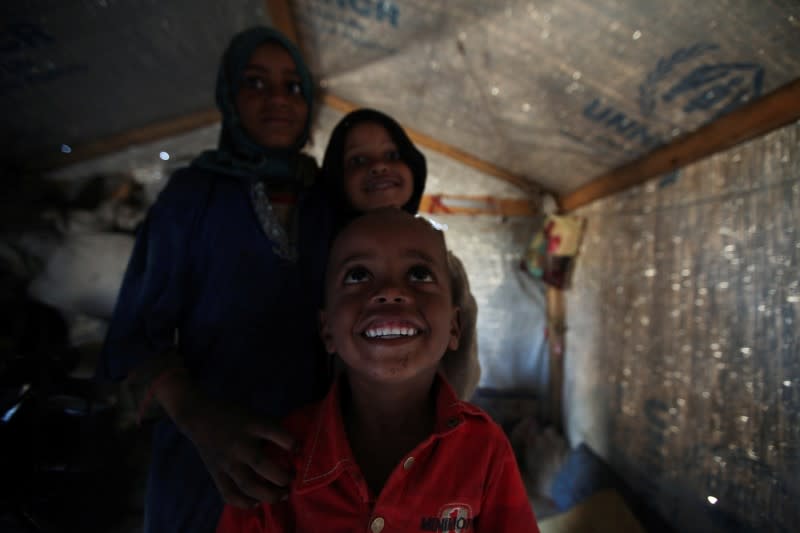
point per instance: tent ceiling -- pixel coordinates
(76, 72)
(554, 92)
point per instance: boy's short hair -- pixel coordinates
(440, 229)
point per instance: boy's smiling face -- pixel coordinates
(389, 310)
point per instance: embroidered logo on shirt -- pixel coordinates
(452, 518)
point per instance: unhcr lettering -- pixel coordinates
(380, 10)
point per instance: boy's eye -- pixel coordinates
(356, 275)
(421, 274)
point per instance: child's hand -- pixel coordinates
(232, 447)
(232, 444)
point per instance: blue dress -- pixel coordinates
(204, 273)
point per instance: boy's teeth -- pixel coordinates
(390, 332)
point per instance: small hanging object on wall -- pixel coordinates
(550, 255)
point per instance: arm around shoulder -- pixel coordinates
(153, 291)
(140, 342)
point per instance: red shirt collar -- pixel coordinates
(326, 453)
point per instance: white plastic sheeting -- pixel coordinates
(75, 72)
(557, 92)
(682, 347)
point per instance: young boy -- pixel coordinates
(391, 448)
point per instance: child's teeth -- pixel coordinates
(390, 332)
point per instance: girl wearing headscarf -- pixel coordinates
(212, 317)
(370, 162)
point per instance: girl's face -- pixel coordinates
(374, 174)
(270, 102)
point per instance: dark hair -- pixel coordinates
(332, 174)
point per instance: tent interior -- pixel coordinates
(648, 378)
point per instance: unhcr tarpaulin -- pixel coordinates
(557, 92)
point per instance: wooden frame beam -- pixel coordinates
(456, 204)
(772, 111)
(340, 104)
(168, 128)
(112, 143)
(280, 16)
(282, 19)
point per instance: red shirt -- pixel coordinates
(463, 477)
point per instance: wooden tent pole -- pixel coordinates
(282, 19)
(772, 111)
(556, 335)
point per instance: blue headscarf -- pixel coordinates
(237, 154)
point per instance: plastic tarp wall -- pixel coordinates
(554, 91)
(74, 72)
(683, 338)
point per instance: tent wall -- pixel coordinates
(683, 367)
(556, 92)
(74, 72)
(511, 307)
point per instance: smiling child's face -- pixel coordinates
(389, 310)
(270, 103)
(374, 174)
